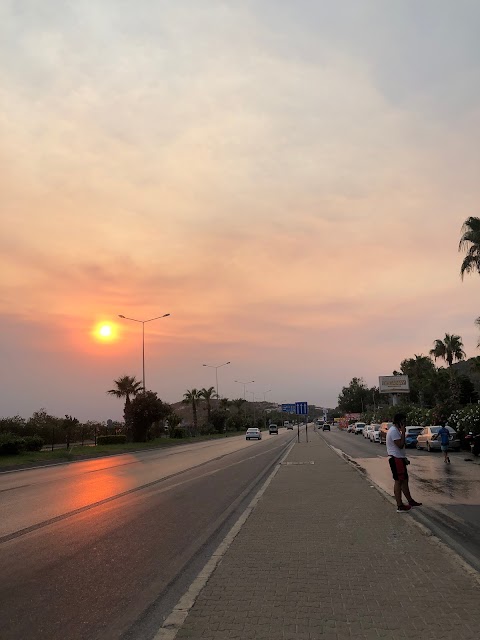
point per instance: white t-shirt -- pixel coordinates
(394, 434)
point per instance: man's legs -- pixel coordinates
(397, 490)
(445, 454)
(406, 491)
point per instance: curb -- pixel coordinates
(447, 544)
(174, 621)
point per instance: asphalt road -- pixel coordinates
(102, 549)
(450, 493)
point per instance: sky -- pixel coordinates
(287, 179)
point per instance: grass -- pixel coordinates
(77, 452)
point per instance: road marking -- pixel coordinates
(175, 620)
(40, 525)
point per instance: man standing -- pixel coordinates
(444, 435)
(398, 463)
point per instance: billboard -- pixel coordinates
(393, 384)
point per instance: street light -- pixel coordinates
(216, 367)
(143, 340)
(244, 385)
(265, 393)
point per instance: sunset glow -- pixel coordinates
(288, 180)
(105, 332)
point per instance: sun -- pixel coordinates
(105, 332)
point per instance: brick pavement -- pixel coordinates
(324, 555)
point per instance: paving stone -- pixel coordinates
(337, 570)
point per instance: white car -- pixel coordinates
(366, 431)
(374, 433)
(253, 434)
(359, 427)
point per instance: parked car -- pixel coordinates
(411, 434)
(382, 436)
(428, 439)
(366, 431)
(350, 428)
(374, 433)
(359, 427)
(253, 434)
(325, 426)
(273, 429)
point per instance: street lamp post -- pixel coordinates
(216, 367)
(265, 393)
(143, 322)
(245, 386)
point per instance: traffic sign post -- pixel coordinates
(301, 409)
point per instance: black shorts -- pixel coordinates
(398, 467)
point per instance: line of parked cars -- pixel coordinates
(415, 436)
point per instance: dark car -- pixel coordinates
(325, 426)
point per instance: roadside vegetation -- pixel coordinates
(438, 394)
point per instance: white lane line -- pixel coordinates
(175, 620)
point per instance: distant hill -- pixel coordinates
(469, 368)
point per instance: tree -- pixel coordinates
(421, 373)
(218, 418)
(145, 409)
(207, 395)
(448, 349)
(69, 425)
(470, 242)
(192, 396)
(126, 386)
(355, 397)
(238, 404)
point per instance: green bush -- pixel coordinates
(33, 443)
(119, 439)
(178, 433)
(11, 444)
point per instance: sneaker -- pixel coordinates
(448, 460)
(403, 508)
(414, 503)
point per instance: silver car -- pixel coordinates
(428, 439)
(253, 434)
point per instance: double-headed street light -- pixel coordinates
(143, 341)
(216, 367)
(245, 385)
(265, 393)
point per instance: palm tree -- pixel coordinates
(192, 396)
(224, 403)
(449, 349)
(470, 242)
(207, 395)
(126, 386)
(238, 403)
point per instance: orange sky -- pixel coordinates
(289, 184)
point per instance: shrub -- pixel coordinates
(11, 444)
(33, 443)
(177, 433)
(119, 439)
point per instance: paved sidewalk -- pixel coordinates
(324, 555)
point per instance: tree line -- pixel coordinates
(437, 394)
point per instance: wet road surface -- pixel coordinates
(102, 549)
(450, 493)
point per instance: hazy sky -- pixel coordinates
(287, 179)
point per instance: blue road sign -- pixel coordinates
(301, 408)
(288, 408)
